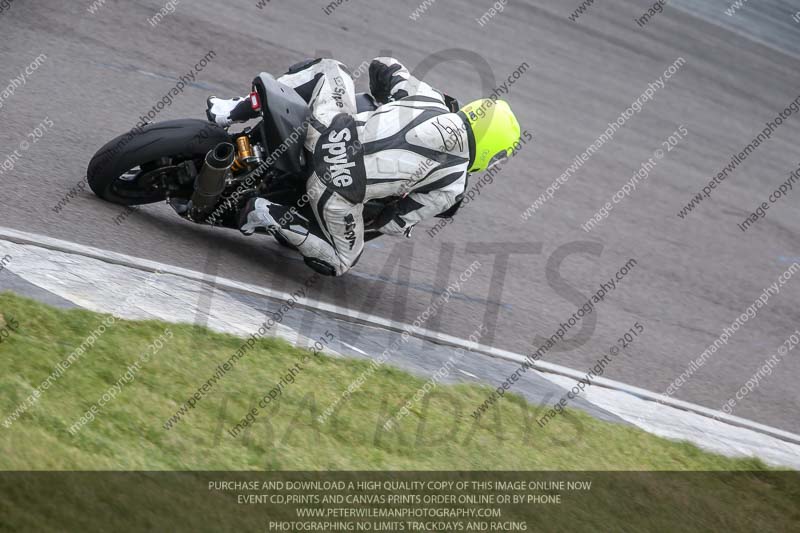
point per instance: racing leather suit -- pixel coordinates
(412, 147)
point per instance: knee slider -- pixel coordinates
(326, 269)
(357, 259)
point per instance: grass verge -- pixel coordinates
(128, 432)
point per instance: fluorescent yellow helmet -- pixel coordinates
(495, 129)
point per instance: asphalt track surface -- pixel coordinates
(693, 276)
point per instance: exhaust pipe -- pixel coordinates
(210, 181)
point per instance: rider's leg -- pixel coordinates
(328, 88)
(302, 77)
(340, 241)
(224, 111)
(342, 225)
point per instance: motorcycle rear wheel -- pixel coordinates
(133, 168)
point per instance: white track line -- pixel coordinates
(43, 241)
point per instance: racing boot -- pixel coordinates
(288, 227)
(225, 112)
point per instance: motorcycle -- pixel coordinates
(206, 173)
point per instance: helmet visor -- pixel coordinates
(499, 158)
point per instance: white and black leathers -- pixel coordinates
(412, 147)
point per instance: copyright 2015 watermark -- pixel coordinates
(7, 327)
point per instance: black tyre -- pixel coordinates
(132, 169)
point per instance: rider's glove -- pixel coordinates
(380, 79)
(389, 222)
(386, 215)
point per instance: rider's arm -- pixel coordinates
(419, 206)
(388, 78)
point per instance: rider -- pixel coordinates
(413, 147)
